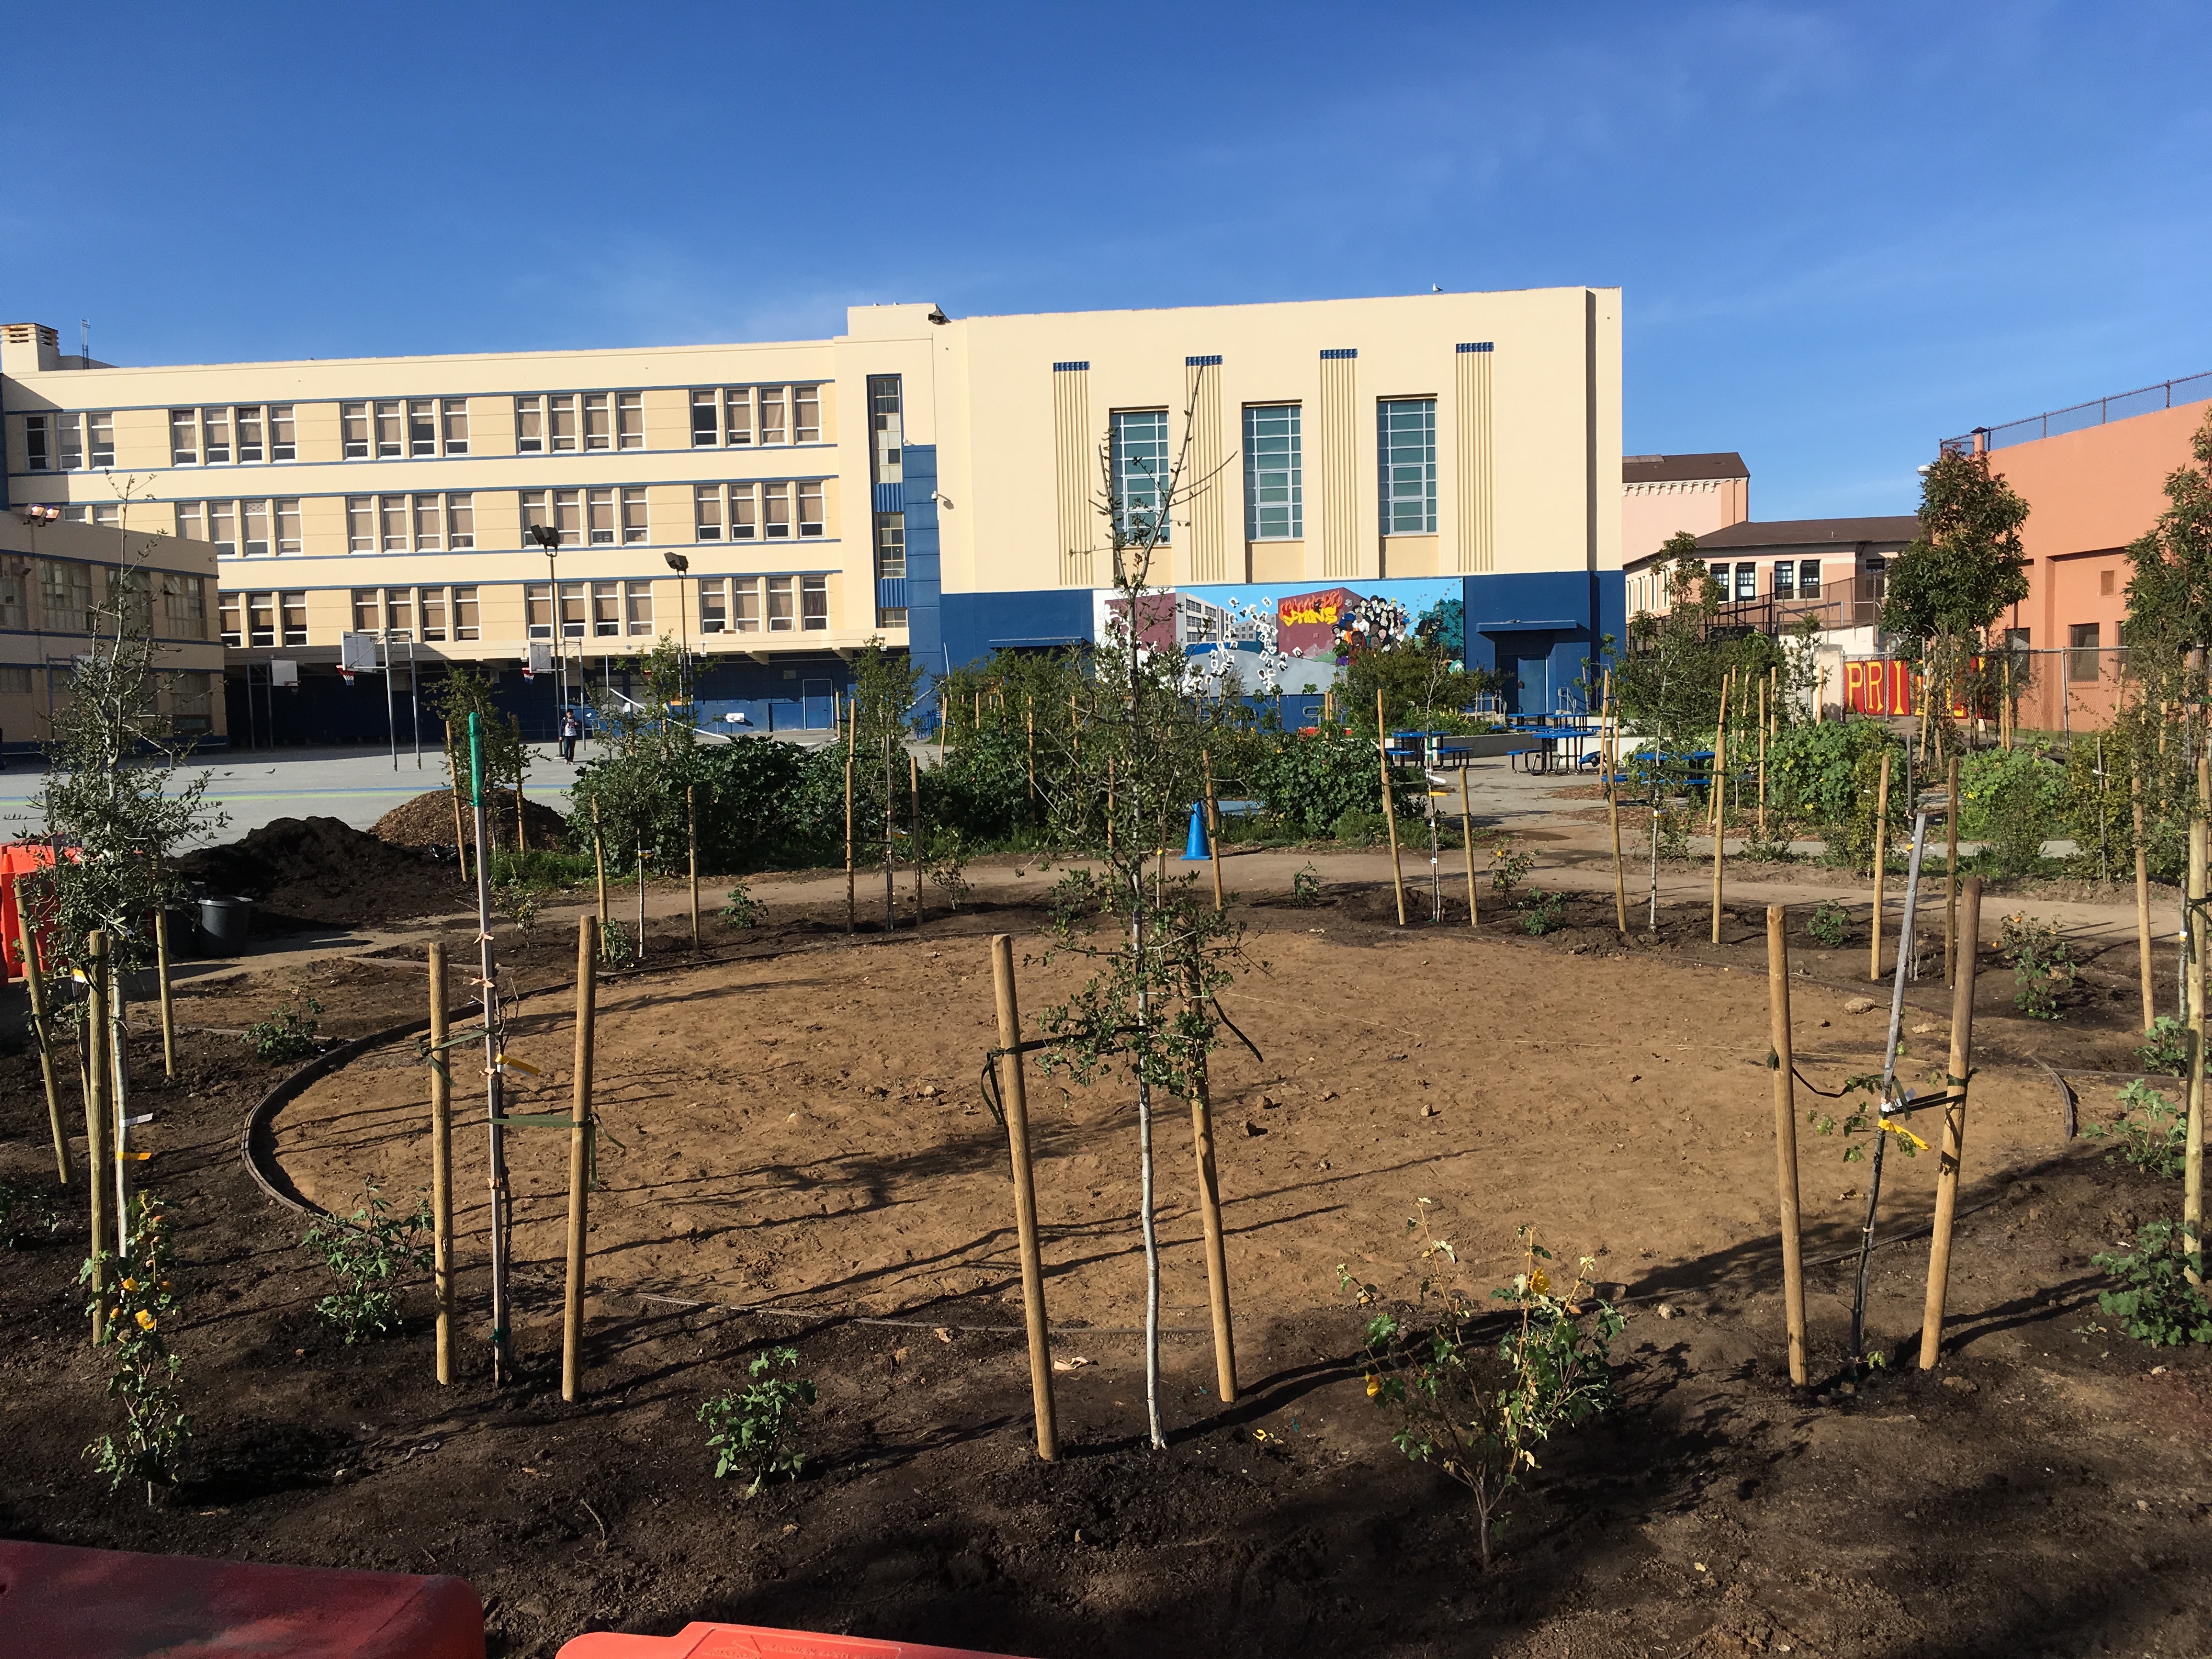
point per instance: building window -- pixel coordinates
(714, 604)
(706, 424)
(421, 425)
(183, 606)
(598, 425)
(1746, 581)
(391, 443)
(1785, 579)
(888, 424)
(391, 523)
(365, 617)
(461, 520)
(261, 619)
(1274, 491)
(293, 607)
(890, 546)
(530, 426)
(228, 613)
(562, 508)
(561, 422)
(189, 525)
(1407, 441)
(735, 416)
(607, 609)
(249, 432)
(282, 439)
(772, 429)
(637, 607)
(353, 431)
(572, 611)
(744, 604)
(453, 418)
(537, 610)
(184, 438)
(776, 511)
(1809, 578)
(101, 425)
(633, 525)
(807, 414)
(811, 521)
(465, 613)
(361, 535)
(222, 525)
(707, 512)
(429, 525)
(15, 682)
(814, 602)
(780, 617)
(432, 605)
(1141, 473)
(214, 435)
(256, 514)
(599, 517)
(37, 429)
(2082, 658)
(629, 420)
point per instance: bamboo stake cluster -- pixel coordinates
(34, 983)
(1880, 863)
(1389, 807)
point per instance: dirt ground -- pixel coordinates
(2045, 1493)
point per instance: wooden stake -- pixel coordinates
(1467, 846)
(1954, 1127)
(1880, 856)
(1028, 721)
(168, 1001)
(579, 1157)
(851, 893)
(944, 724)
(691, 836)
(1109, 807)
(1389, 808)
(34, 983)
(599, 860)
(441, 1165)
(1609, 752)
(98, 1082)
(1785, 1133)
(1217, 1260)
(461, 838)
(913, 795)
(1212, 830)
(1013, 1095)
(2192, 1166)
(1951, 876)
(1762, 760)
(2142, 899)
(521, 834)
(1720, 801)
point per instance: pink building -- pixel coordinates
(1662, 494)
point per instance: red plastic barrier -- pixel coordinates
(18, 860)
(106, 1604)
(751, 1642)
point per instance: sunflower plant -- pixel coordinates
(140, 1305)
(1473, 1406)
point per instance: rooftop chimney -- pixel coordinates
(28, 349)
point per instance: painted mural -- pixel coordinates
(1283, 637)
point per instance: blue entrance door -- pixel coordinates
(821, 711)
(1524, 672)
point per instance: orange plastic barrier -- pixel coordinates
(19, 859)
(751, 1642)
(108, 1604)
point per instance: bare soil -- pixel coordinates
(2045, 1492)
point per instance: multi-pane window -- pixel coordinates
(421, 425)
(250, 445)
(389, 427)
(261, 619)
(2082, 640)
(270, 525)
(563, 509)
(15, 680)
(545, 423)
(887, 424)
(214, 435)
(891, 564)
(572, 611)
(750, 511)
(1746, 581)
(744, 415)
(599, 422)
(744, 604)
(1406, 447)
(1274, 489)
(254, 515)
(794, 603)
(814, 602)
(537, 610)
(402, 524)
(291, 617)
(629, 420)
(284, 442)
(1141, 473)
(62, 443)
(399, 614)
(1785, 579)
(432, 602)
(391, 442)
(465, 613)
(228, 623)
(634, 524)
(714, 604)
(782, 617)
(367, 615)
(422, 612)
(1809, 578)
(107, 514)
(608, 513)
(16, 578)
(637, 607)
(353, 431)
(65, 597)
(607, 609)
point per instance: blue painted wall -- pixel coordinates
(976, 624)
(1583, 607)
(925, 567)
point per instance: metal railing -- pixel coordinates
(2146, 400)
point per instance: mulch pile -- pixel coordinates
(428, 821)
(323, 872)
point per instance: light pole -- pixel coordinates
(550, 538)
(680, 564)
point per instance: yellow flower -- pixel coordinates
(130, 1283)
(1540, 1281)
(146, 1321)
(1374, 1385)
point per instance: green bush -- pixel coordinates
(2156, 1303)
(2165, 1046)
(1829, 924)
(1542, 912)
(366, 1252)
(1829, 775)
(2152, 1129)
(755, 1428)
(2014, 799)
(1312, 779)
(543, 867)
(288, 1034)
(1361, 826)
(2042, 966)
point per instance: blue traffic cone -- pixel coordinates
(1195, 850)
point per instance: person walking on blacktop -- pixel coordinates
(570, 731)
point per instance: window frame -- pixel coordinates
(1395, 458)
(1288, 476)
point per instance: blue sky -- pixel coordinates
(1842, 232)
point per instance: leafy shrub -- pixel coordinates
(2012, 799)
(741, 908)
(1829, 775)
(288, 1033)
(2042, 966)
(1361, 826)
(2157, 1306)
(1507, 867)
(2165, 1046)
(1305, 887)
(519, 902)
(946, 864)
(140, 1302)
(2152, 1129)
(1829, 924)
(26, 1208)
(755, 1428)
(1312, 779)
(543, 866)
(367, 1251)
(1475, 1409)
(1542, 912)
